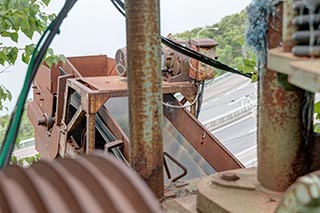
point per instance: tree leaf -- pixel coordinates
(317, 107)
(316, 128)
(14, 36)
(50, 51)
(13, 54)
(25, 58)
(3, 56)
(46, 2)
(5, 34)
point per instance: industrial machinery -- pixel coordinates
(116, 105)
(82, 105)
(75, 185)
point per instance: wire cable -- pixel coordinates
(36, 60)
(183, 106)
(200, 99)
(119, 8)
(191, 53)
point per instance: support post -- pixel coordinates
(281, 127)
(145, 96)
(91, 132)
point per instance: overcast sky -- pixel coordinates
(96, 27)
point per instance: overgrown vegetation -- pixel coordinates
(232, 50)
(25, 131)
(22, 18)
(25, 161)
(229, 33)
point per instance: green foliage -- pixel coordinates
(22, 18)
(25, 131)
(25, 161)
(230, 35)
(4, 95)
(316, 127)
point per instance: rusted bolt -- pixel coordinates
(230, 177)
(46, 120)
(38, 93)
(42, 121)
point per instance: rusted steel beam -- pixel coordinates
(144, 75)
(200, 138)
(281, 127)
(91, 132)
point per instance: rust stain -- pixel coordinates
(144, 84)
(281, 147)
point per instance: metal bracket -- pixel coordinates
(184, 173)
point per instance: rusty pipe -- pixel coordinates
(145, 96)
(306, 50)
(288, 27)
(282, 150)
(304, 36)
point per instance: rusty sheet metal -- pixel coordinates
(53, 144)
(41, 134)
(43, 78)
(92, 184)
(111, 67)
(174, 142)
(198, 70)
(200, 138)
(62, 83)
(99, 65)
(145, 108)
(70, 69)
(117, 86)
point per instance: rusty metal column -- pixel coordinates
(145, 96)
(281, 142)
(91, 132)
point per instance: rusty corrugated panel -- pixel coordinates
(96, 183)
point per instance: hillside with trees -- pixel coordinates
(230, 35)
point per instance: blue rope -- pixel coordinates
(256, 35)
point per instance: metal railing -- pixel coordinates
(26, 143)
(230, 115)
